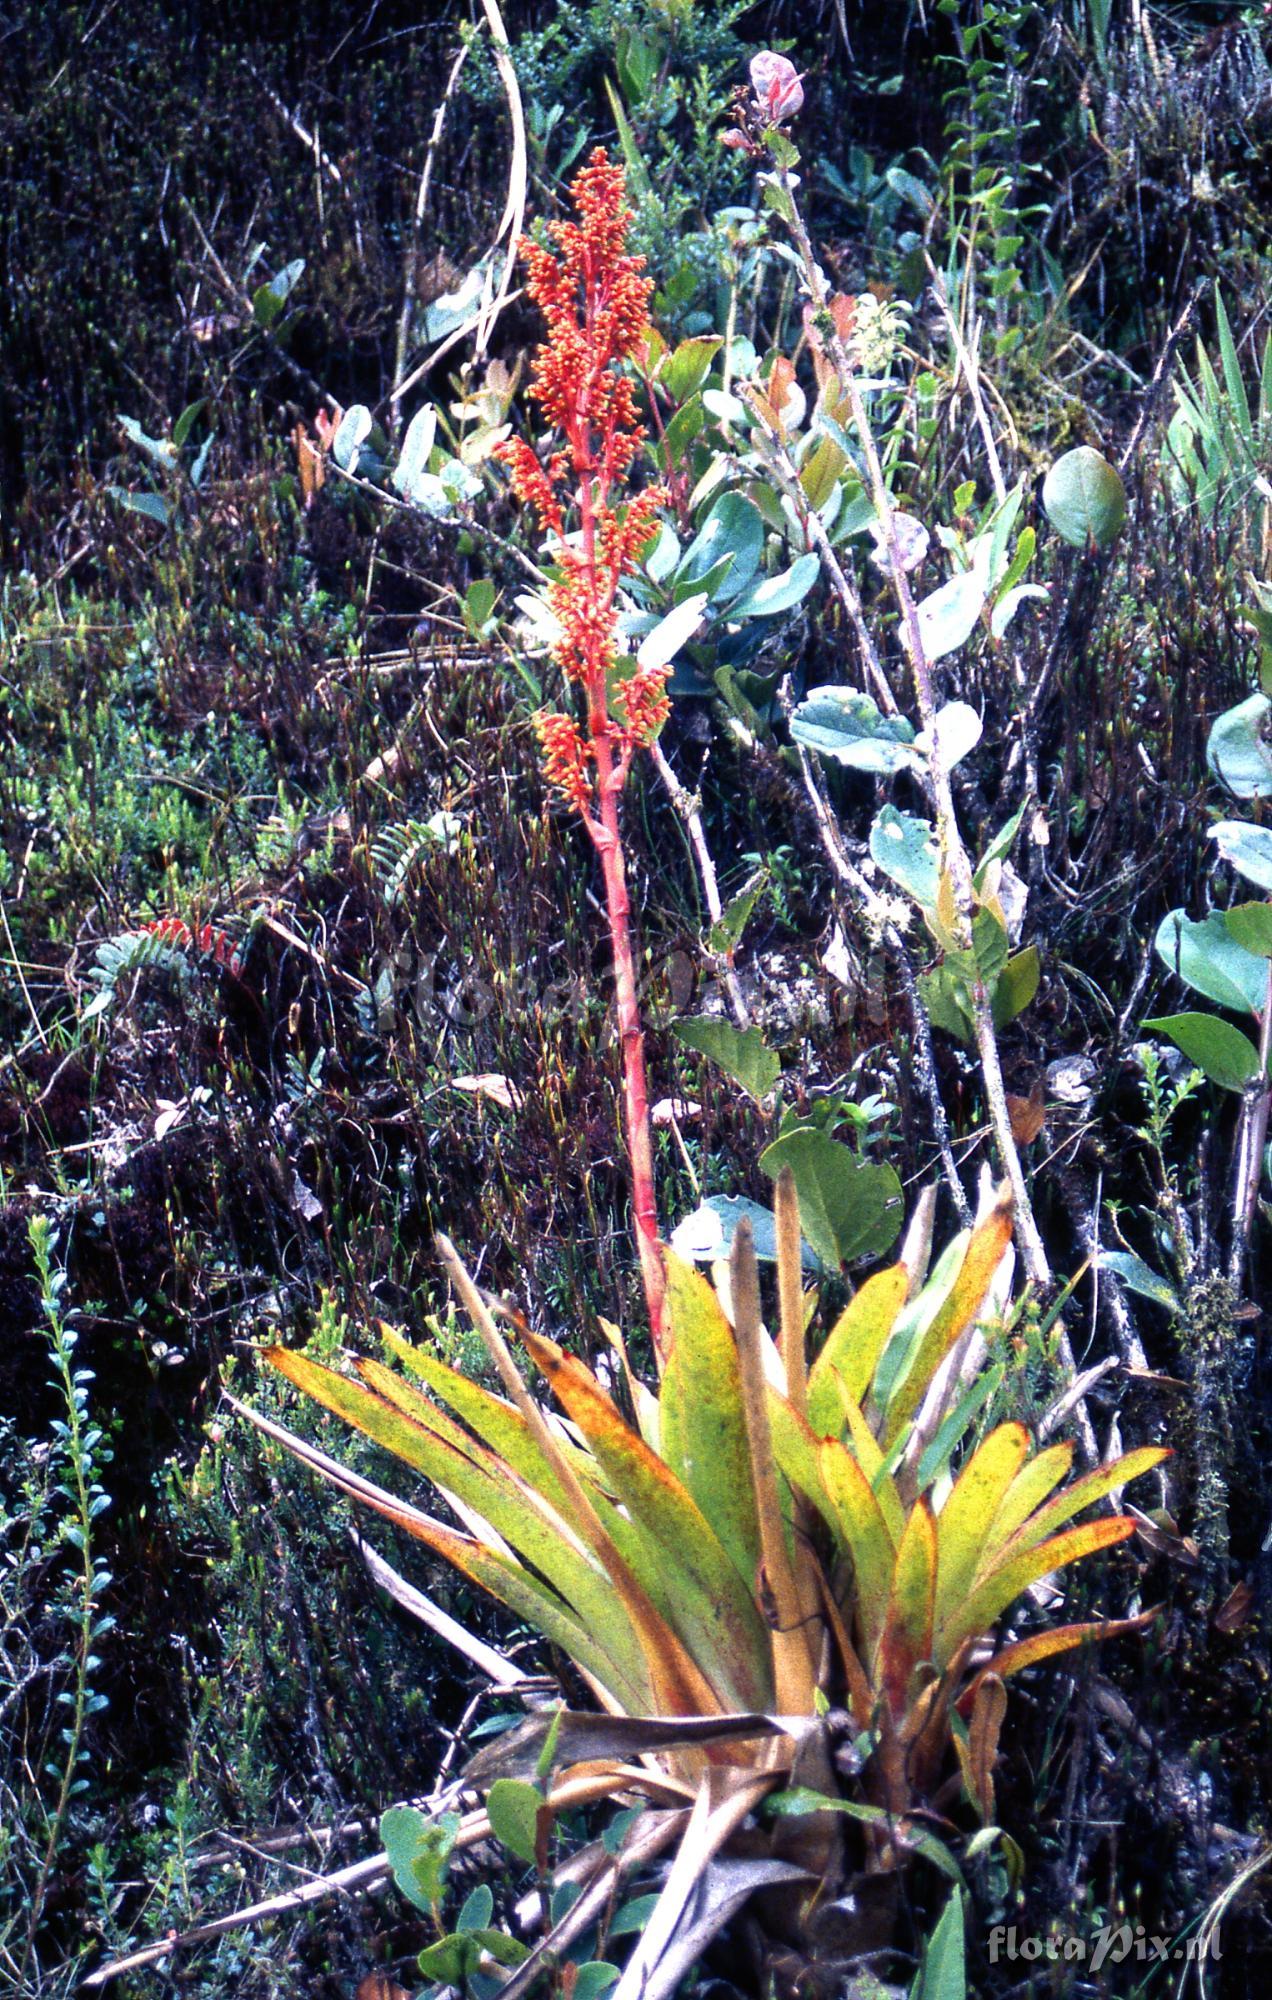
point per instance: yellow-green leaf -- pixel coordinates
(858, 1519)
(853, 1347)
(968, 1514)
(702, 1424)
(985, 1253)
(710, 1609)
(871, 1460)
(906, 1639)
(1086, 1491)
(987, 1602)
(1038, 1476)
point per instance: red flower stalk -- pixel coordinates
(596, 304)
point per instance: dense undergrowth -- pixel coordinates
(302, 961)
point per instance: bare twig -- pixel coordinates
(410, 263)
(687, 806)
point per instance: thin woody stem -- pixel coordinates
(953, 853)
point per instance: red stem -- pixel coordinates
(607, 838)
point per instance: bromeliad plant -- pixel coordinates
(760, 1538)
(596, 304)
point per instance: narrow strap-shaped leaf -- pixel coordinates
(679, 1685)
(790, 1291)
(858, 1521)
(498, 1574)
(1085, 1492)
(1037, 1477)
(792, 1643)
(498, 1423)
(513, 1511)
(713, 1613)
(702, 1422)
(906, 1639)
(985, 1253)
(853, 1347)
(871, 1460)
(1038, 1646)
(968, 1514)
(985, 1605)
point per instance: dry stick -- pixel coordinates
(815, 528)
(876, 913)
(510, 222)
(410, 266)
(1254, 1132)
(687, 805)
(970, 366)
(354, 1880)
(953, 852)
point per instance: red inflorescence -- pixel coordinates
(595, 299)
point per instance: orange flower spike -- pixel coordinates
(595, 300)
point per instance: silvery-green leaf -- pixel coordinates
(1246, 848)
(661, 645)
(1238, 750)
(913, 542)
(352, 433)
(151, 506)
(948, 617)
(412, 466)
(771, 594)
(161, 450)
(455, 309)
(707, 1235)
(1009, 604)
(958, 730)
(846, 725)
(727, 409)
(665, 553)
(1137, 1276)
(1084, 498)
(906, 850)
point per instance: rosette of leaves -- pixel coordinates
(700, 1549)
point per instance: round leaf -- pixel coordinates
(1238, 750)
(1084, 498)
(1207, 958)
(1246, 848)
(849, 1207)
